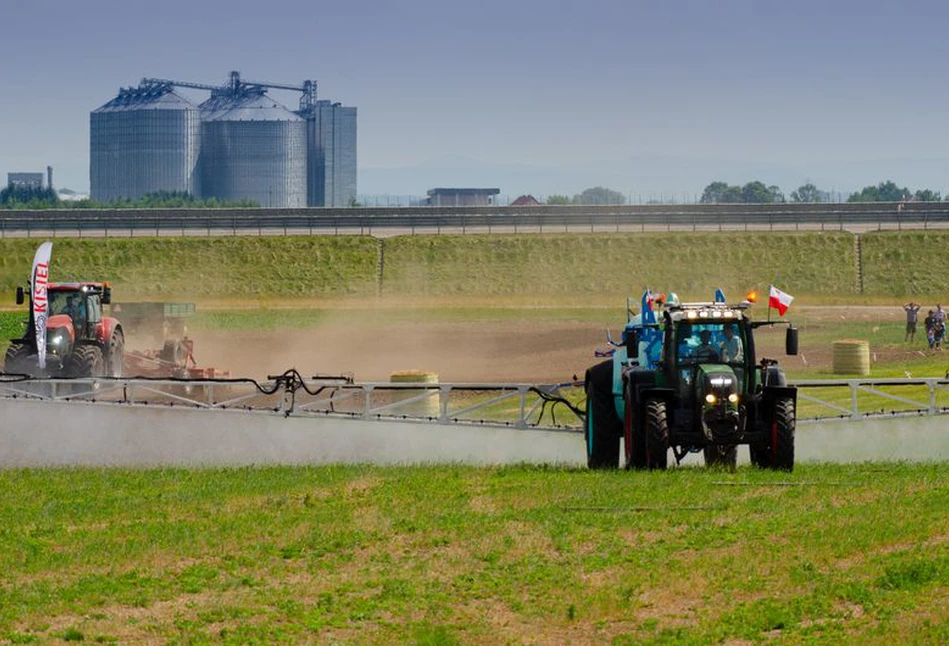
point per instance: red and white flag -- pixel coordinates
(779, 300)
(38, 282)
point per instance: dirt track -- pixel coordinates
(536, 351)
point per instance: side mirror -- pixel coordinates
(107, 296)
(20, 296)
(790, 341)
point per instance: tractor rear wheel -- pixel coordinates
(721, 455)
(657, 434)
(603, 427)
(86, 361)
(15, 360)
(116, 359)
(634, 435)
(777, 451)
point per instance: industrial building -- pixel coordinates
(239, 144)
(462, 196)
(30, 180)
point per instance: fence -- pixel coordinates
(382, 220)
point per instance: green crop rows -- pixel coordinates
(447, 555)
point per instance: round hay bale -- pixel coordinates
(422, 407)
(851, 357)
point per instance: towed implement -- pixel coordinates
(685, 377)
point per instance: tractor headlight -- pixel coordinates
(733, 398)
(57, 340)
(710, 398)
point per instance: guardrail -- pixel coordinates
(129, 222)
(519, 405)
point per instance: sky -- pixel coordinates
(798, 89)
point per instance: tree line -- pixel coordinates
(16, 196)
(757, 193)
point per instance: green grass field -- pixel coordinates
(556, 267)
(457, 555)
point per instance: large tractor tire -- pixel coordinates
(116, 359)
(657, 434)
(634, 434)
(86, 361)
(777, 451)
(16, 358)
(721, 455)
(603, 427)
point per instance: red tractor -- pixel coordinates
(80, 341)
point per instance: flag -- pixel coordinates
(40, 300)
(779, 300)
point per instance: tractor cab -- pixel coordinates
(708, 360)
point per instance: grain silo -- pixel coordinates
(145, 140)
(252, 148)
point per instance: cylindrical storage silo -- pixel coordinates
(253, 148)
(851, 357)
(145, 140)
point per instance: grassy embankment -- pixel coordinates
(829, 554)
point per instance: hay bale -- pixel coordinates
(851, 357)
(426, 407)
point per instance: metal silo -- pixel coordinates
(252, 148)
(143, 141)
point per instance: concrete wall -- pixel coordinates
(36, 433)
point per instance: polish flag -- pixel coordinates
(779, 300)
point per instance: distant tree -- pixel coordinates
(28, 197)
(558, 199)
(808, 193)
(777, 195)
(927, 195)
(599, 195)
(755, 193)
(714, 193)
(886, 191)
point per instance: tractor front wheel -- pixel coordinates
(15, 361)
(657, 434)
(777, 451)
(86, 361)
(603, 427)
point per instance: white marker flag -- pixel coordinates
(40, 279)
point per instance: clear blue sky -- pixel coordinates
(539, 83)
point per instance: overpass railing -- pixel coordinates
(127, 222)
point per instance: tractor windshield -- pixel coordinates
(70, 302)
(709, 342)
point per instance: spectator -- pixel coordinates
(939, 334)
(911, 309)
(930, 323)
(731, 346)
(939, 316)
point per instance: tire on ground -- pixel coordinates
(777, 450)
(603, 427)
(634, 433)
(86, 361)
(657, 434)
(15, 360)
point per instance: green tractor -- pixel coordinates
(685, 377)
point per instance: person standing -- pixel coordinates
(911, 309)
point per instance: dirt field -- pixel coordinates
(535, 351)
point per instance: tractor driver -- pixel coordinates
(76, 310)
(705, 350)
